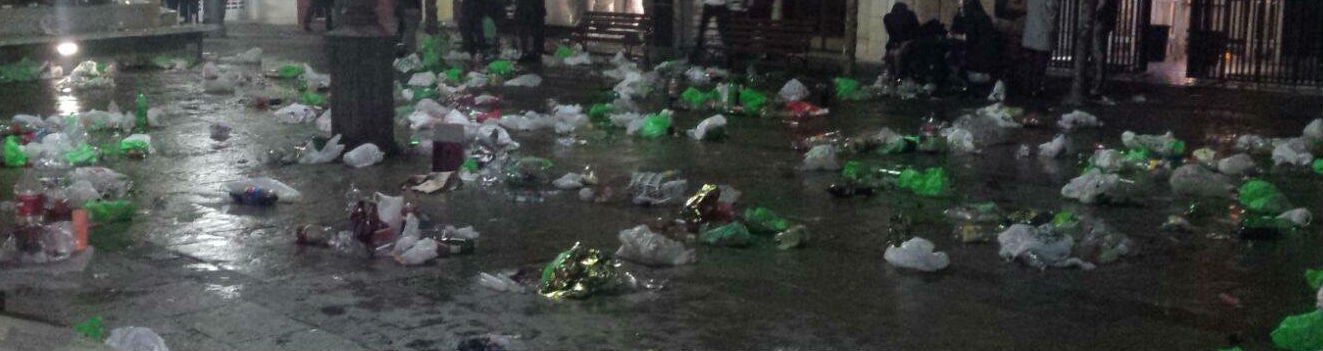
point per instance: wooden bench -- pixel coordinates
(626, 29)
(138, 41)
(773, 39)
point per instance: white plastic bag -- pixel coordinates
(1314, 131)
(421, 252)
(136, 339)
(328, 153)
(284, 192)
(80, 192)
(794, 90)
(296, 113)
(1196, 180)
(1235, 165)
(1078, 119)
(917, 253)
(1053, 148)
(707, 125)
(569, 181)
(960, 141)
(1036, 249)
(1300, 216)
(210, 71)
(409, 63)
(1108, 160)
(641, 245)
(581, 59)
(499, 282)
(998, 92)
(1087, 188)
(821, 157)
(316, 80)
(527, 80)
(324, 122)
(389, 209)
(1292, 152)
(107, 181)
(364, 155)
(422, 79)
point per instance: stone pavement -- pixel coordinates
(209, 275)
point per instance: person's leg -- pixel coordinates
(539, 39)
(1099, 61)
(469, 32)
(709, 12)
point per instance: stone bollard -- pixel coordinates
(362, 93)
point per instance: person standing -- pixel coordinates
(531, 22)
(470, 26)
(1105, 16)
(1039, 40)
(712, 9)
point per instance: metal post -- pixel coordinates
(215, 14)
(362, 91)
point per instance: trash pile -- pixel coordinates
(62, 191)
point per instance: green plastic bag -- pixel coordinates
(1318, 166)
(81, 155)
(752, 100)
(14, 156)
(1136, 155)
(655, 126)
(763, 221)
(138, 146)
(23, 70)
(423, 93)
(1176, 147)
(694, 98)
(600, 113)
(91, 329)
(1303, 332)
(501, 67)
(932, 182)
(431, 53)
(289, 71)
(1064, 218)
(110, 211)
(846, 88)
(1262, 197)
(563, 51)
(312, 98)
(852, 170)
(454, 75)
(470, 165)
(1315, 278)
(733, 235)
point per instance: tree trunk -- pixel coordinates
(1083, 33)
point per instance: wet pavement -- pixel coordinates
(210, 275)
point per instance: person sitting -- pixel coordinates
(976, 43)
(902, 27)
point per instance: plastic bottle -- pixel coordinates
(255, 196)
(80, 227)
(31, 200)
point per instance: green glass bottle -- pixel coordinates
(140, 115)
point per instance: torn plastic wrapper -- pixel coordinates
(579, 273)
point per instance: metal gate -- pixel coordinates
(1125, 46)
(1260, 41)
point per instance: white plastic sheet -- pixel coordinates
(917, 253)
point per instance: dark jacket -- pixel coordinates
(902, 25)
(530, 10)
(981, 45)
